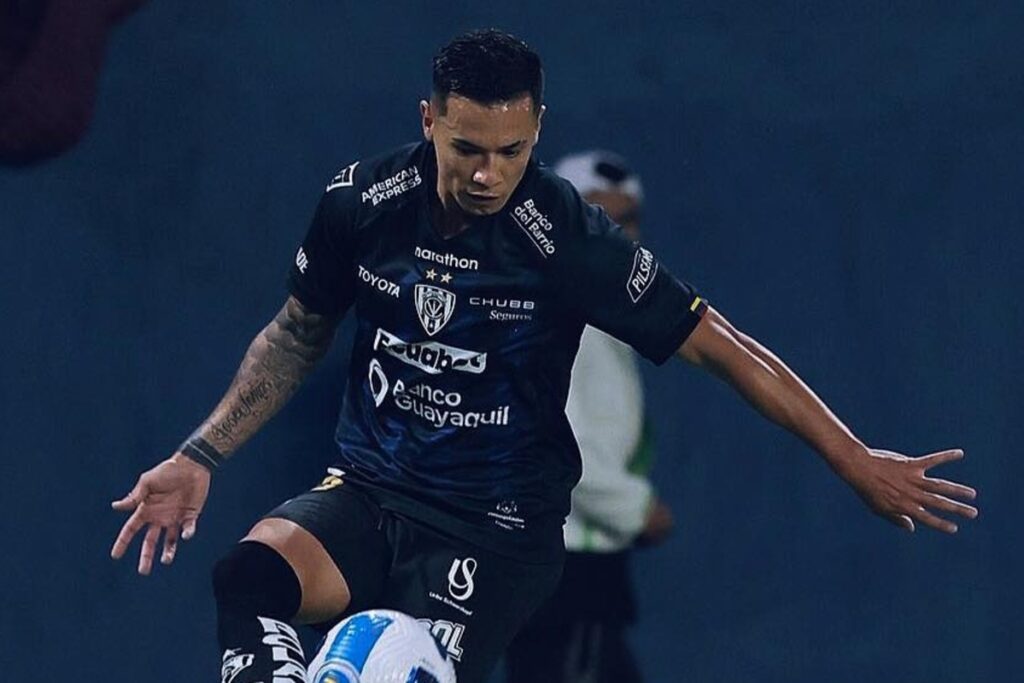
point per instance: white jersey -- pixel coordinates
(606, 411)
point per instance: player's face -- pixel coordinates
(621, 208)
(482, 150)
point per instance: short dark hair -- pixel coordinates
(487, 66)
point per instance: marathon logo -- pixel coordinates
(536, 226)
(395, 186)
(642, 275)
(450, 260)
(343, 179)
(430, 357)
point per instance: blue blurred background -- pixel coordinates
(842, 180)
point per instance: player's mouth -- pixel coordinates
(483, 198)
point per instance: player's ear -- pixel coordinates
(540, 116)
(427, 118)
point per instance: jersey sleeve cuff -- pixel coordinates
(679, 332)
(309, 300)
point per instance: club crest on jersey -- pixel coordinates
(434, 306)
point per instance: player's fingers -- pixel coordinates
(132, 500)
(949, 488)
(933, 459)
(935, 522)
(128, 531)
(903, 522)
(938, 502)
(148, 549)
(170, 544)
(188, 528)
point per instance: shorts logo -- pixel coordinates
(233, 663)
(434, 306)
(460, 578)
(344, 179)
(301, 260)
(642, 275)
(448, 633)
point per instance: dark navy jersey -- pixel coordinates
(455, 402)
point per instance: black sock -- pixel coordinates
(257, 592)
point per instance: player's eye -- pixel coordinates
(510, 153)
(463, 151)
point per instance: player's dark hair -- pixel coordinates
(488, 67)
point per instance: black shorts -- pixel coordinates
(475, 600)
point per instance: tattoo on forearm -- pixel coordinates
(277, 361)
(248, 402)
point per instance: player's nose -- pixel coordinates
(485, 175)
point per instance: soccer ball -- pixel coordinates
(380, 646)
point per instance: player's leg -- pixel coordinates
(619, 663)
(541, 649)
(303, 563)
(574, 637)
(473, 600)
(324, 592)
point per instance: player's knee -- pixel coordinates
(255, 579)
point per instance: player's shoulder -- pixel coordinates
(551, 213)
(549, 192)
(377, 183)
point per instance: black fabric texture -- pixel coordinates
(257, 592)
(473, 600)
(579, 633)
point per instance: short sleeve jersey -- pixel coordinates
(454, 409)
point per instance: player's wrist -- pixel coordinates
(850, 459)
(202, 452)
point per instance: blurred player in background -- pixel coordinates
(573, 637)
(51, 58)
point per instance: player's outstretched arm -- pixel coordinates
(895, 486)
(168, 498)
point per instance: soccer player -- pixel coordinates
(573, 638)
(471, 271)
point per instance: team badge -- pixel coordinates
(434, 307)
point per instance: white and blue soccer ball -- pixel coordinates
(380, 646)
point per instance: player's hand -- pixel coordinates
(658, 524)
(166, 500)
(897, 487)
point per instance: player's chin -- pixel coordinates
(482, 206)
